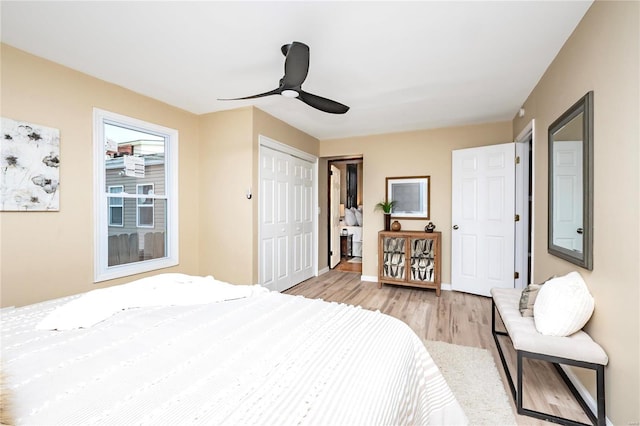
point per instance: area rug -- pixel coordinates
(355, 260)
(472, 376)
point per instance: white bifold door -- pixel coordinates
(287, 222)
(483, 217)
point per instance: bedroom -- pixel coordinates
(217, 146)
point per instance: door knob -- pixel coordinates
(580, 230)
(455, 226)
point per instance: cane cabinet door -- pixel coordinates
(409, 258)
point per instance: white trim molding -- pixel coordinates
(102, 270)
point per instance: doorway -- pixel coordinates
(345, 213)
(492, 205)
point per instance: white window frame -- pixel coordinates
(102, 271)
(111, 205)
(145, 206)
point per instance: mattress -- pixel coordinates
(265, 358)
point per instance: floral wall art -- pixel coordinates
(29, 167)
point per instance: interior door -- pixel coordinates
(274, 216)
(483, 213)
(567, 194)
(302, 221)
(287, 225)
(334, 217)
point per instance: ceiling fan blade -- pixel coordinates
(296, 64)
(261, 95)
(323, 104)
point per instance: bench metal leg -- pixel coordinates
(517, 394)
(495, 334)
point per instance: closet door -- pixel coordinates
(275, 171)
(286, 220)
(302, 221)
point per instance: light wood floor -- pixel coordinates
(346, 266)
(454, 317)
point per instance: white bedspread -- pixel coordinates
(158, 290)
(265, 359)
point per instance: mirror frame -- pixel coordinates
(584, 258)
(426, 202)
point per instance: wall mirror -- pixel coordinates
(571, 184)
(411, 195)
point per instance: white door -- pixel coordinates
(567, 194)
(275, 272)
(287, 225)
(483, 212)
(335, 217)
(302, 221)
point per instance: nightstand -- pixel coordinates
(346, 246)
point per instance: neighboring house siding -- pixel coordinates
(154, 174)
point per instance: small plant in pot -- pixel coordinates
(387, 208)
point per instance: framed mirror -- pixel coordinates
(571, 184)
(411, 195)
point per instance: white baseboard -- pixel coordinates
(323, 270)
(584, 393)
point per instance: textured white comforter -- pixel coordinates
(264, 359)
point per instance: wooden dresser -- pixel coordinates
(410, 258)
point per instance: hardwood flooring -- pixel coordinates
(346, 266)
(459, 318)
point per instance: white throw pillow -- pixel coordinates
(350, 217)
(358, 214)
(563, 306)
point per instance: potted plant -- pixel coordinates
(386, 207)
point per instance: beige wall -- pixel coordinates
(229, 154)
(226, 216)
(218, 156)
(426, 152)
(50, 254)
(602, 55)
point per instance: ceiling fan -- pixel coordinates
(296, 67)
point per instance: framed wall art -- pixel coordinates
(411, 196)
(29, 167)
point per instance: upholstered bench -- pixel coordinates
(576, 350)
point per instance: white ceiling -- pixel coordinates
(398, 65)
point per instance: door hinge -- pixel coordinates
(517, 159)
(330, 252)
(330, 172)
(516, 275)
(517, 218)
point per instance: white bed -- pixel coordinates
(260, 358)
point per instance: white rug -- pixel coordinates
(472, 376)
(355, 260)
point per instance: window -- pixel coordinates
(116, 206)
(136, 197)
(144, 216)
